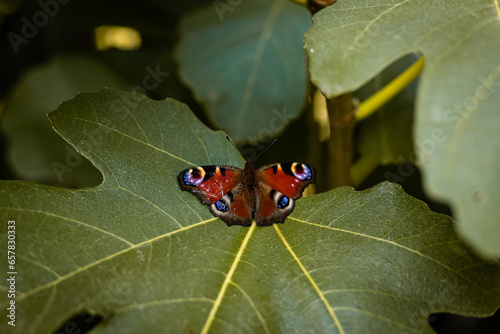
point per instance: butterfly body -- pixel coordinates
(237, 196)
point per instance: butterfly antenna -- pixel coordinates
(274, 141)
(229, 139)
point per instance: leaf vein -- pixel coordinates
(396, 245)
(346, 55)
(254, 308)
(39, 264)
(135, 119)
(359, 206)
(41, 315)
(265, 36)
(385, 293)
(152, 204)
(440, 27)
(130, 137)
(373, 315)
(162, 302)
(107, 258)
(227, 280)
(71, 220)
(311, 281)
(196, 134)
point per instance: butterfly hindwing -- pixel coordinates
(235, 208)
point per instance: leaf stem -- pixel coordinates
(377, 100)
(341, 114)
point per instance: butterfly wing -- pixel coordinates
(236, 196)
(278, 187)
(221, 188)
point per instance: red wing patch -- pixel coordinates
(290, 179)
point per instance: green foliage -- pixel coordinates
(386, 136)
(456, 117)
(150, 258)
(37, 153)
(246, 64)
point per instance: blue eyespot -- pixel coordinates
(283, 202)
(221, 206)
(193, 177)
(301, 171)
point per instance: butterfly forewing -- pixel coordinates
(209, 183)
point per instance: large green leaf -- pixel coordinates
(457, 119)
(245, 63)
(150, 258)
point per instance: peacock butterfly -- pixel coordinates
(237, 196)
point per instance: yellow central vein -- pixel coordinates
(497, 8)
(311, 280)
(229, 275)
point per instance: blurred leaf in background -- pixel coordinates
(246, 65)
(35, 151)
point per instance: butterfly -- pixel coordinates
(237, 196)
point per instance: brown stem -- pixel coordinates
(341, 110)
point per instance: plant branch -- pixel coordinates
(341, 113)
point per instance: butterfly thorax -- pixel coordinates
(250, 179)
